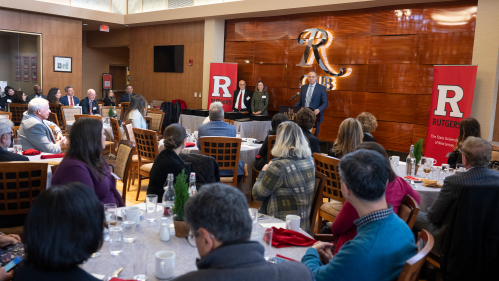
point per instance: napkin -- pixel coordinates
(411, 178)
(50, 156)
(431, 183)
(286, 238)
(117, 279)
(190, 144)
(31, 151)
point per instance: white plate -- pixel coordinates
(119, 212)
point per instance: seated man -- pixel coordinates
(305, 118)
(476, 153)
(89, 105)
(221, 226)
(5, 140)
(383, 243)
(35, 132)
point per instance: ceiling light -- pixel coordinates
(85, 24)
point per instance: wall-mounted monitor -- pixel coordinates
(169, 58)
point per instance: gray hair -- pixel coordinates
(290, 142)
(216, 111)
(67, 88)
(477, 151)
(5, 126)
(220, 209)
(37, 103)
(91, 90)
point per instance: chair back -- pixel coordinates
(270, 145)
(329, 167)
(6, 114)
(157, 102)
(129, 132)
(69, 113)
(125, 106)
(146, 142)
(17, 110)
(88, 116)
(495, 156)
(157, 120)
(100, 103)
(123, 162)
(410, 271)
(20, 183)
(226, 152)
(53, 168)
(53, 118)
(115, 125)
(15, 129)
(408, 210)
(320, 181)
(56, 108)
(104, 111)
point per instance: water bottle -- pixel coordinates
(410, 161)
(169, 195)
(192, 185)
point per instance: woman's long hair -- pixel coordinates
(349, 136)
(113, 98)
(276, 120)
(18, 97)
(290, 142)
(256, 87)
(51, 95)
(468, 127)
(85, 138)
(138, 102)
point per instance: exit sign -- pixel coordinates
(104, 28)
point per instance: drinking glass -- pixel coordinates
(254, 217)
(445, 171)
(129, 231)
(151, 202)
(140, 253)
(116, 238)
(427, 167)
(18, 148)
(110, 213)
(188, 131)
(266, 242)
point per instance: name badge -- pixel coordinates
(264, 97)
(9, 101)
(247, 98)
(95, 108)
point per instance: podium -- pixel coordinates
(291, 112)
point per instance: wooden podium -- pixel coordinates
(291, 112)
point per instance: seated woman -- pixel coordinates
(349, 137)
(262, 160)
(287, 185)
(136, 112)
(168, 161)
(305, 118)
(4, 101)
(84, 163)
(64, 227)
(109, 100)
(54, 95)
(19, 97)
(344, 227)
(260, 100)
(468, 127)
(369, 124)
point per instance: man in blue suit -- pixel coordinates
(314, 95)
(69, 99)
(127, 97)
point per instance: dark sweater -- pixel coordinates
(9, 156)
(243, 261)
(28, 273)
(107, 102)
(313, 142)
(167, 162)
(368, 137)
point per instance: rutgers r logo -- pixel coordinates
(218, 85)
(443, 99)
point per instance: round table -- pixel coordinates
(107, 130)
(37, 158)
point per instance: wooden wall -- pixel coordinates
(167, 86)
(60, 36)
(391, 57)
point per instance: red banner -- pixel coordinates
(223, 83)
(452, 98)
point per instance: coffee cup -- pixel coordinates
(165, 264)
(238, 136)
(431, 160)
(132, 213)
(293, 222)
(395, 159)
(250, 141)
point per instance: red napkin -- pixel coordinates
(286, 258)
(31, 151)
(190, 144)
(117, 279)
(50, 156)
(411, 178)
(286, 238)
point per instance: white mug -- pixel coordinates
(250, 141)
(132, 213)
(431, 160)
(238, 136)
(293, 222)
(395, 159)
(195, 134)
(165, 264)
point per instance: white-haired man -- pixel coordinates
(216, 127)
(5, 140)
(35, 131)
(89, 105)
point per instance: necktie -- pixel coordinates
(309, 96)
(90, 104)
(71, 98)
(240, 103)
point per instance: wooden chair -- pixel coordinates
(69, 113)
(332, 189)
(6, 115)
(226, 152)
(53, 168)
(129, 131)
(320, 182)
(157, 102)
(408, 210)
(154, 109)
(115, 125)
(88, 116)
(270, 145)
(125, 106)
(17, 110)
(494, 156)
(147, 149)
(104, 111)
(100, 103)
(123, 163)
(157, 120)
(148, 120)
(410, 271)
(56, 108)
(15, 129)
(53, 118)
(20, 183)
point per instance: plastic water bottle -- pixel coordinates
(410, 161)
(192, 185)
(168, 196)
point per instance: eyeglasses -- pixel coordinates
(191, 238)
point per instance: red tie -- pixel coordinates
(91, 111)
(71, 100)
(240, 101)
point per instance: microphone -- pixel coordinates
(294, 97)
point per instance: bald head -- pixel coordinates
(91, 94)
(38, 90)
(242, 84)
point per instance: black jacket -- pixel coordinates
(262, 160)
(205, 167)
(172, 113)
(367, 138)
(4, 101)
(246, 101)
(313, 142)
(167, 162)
(85, 106)
(107, 102)
(243, 261)
(28, 273)
(9, 156)
(455, 158)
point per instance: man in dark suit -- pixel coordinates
(5, 140)
(314, 95)
(89, 105)
(127, 97)
(241, 100)
(38, 94)
(476, 157)
(69, 99)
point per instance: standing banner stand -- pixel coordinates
(223, 83)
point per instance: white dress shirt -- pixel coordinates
(240, 96)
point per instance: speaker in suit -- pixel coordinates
(86, 107)
(247, 97)
(66, 100)
(318, 100)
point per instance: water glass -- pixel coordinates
(116, 238)
(129, 231)
(140, 254)
(110, 212)
(445, 172)
(266, 242)
(151, 202)
(18, 148)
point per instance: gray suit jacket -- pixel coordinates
(216, 129)
(35, 135)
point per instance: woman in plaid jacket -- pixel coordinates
(286, 185)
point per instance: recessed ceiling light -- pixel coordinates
(85, 24)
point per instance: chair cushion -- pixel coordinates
(337, 205)
(227, 179)
(329, 209)
(146, 167)
(135, 159)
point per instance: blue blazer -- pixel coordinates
(216, 129)
(126, 98)
(319, 98)
(85, 106)
(65, 100)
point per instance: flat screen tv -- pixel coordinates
(169, 58)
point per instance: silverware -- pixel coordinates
(116, 273)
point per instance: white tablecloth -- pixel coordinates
(253, 129)
(191, 122)
(49, 170)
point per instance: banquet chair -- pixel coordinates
(104, 111)
(408, 210)
(6, 115)
(115, 125)
(320, 182)
(129, 131)
(20, 184)
(128, 127)
(123, 163)
(332, 189)
(146, 143)
(270, 145)
(56, 108)
(157, 120)
(15, 129)
(69, 113)
(125, 106)
(17, 110)
(412, 267)
(88, 116)
(226, 152)
(157, 102)
(53, 118)
(100, 103)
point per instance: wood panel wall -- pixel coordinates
(167, 86)
(60, 36)
(392, 59)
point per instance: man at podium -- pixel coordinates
(314, 95)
